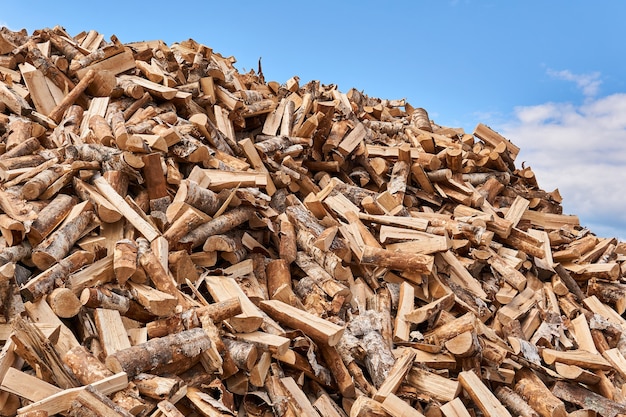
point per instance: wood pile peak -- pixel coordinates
(179, 238)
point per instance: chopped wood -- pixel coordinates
(538, 396)
(480, 394)
(320, 252)
(315, 327)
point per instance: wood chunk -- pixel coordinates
(587, 399)
(432, 385)
(397, 260)
(154, 301)
(222, 289)
(57, 245)
(463, 345)
(538, 396)
(616, 359)
(113, 335)
(316, 327)
(298, 397)
(580, 358)
(62, 401)
(64, 302)
(481, 395)
(402, 327)
(396, 375)
(149, 356)
(520, 305)
(127, 211)
(576, 373)
(454, 408)
(492, 138)
(514, 402)
(27, 386)
(397, 407)
(45, 282)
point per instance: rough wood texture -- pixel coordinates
(158, 352)
(318, 251)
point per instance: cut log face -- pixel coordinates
(221, 241)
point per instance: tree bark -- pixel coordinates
(50, 217)
(57, 245)
(218, 225)
(538, 396)
(145, 357)
(85, 366)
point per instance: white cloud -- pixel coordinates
(581, 150)
(589, 84)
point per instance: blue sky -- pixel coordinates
(549, 75)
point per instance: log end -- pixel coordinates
(42, 260)
(115, 366)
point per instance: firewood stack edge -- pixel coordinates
(180, 238)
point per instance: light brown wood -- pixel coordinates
(27, 386)
(57, 112)
(397, 407)
(57, 245)
(430, 310)
(124, 260)
(186, 346)
(135, 219)
(481, 395)
(113, 335)
(514, 402)
(289, 223)
(539, 397)
(299, 397)
(44, 283)
(222, 289)
(580, 358)
(402, 327)
(64, 302)
(585, 398)
(316, 327)
(396, 375)
(62, 401)
(433, 385)
(454, 408)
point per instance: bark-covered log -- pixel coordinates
(319, 252)
(58, 244)
(218, 225)
(159, 352)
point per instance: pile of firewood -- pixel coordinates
(179, 238)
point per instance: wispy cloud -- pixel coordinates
(581, 150)
(589, 84)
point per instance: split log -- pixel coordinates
(432, 385)
(45, 282)
(124, 259)
(57, 113)
(218, 225)
(50, 217)
(58, 244)
(480, 394)
(587, 399)
(317, 328)
(514, 402)
(158, 352)
(538, 396)
(156, 387)
(85, 366)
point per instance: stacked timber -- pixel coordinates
(179, 238)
